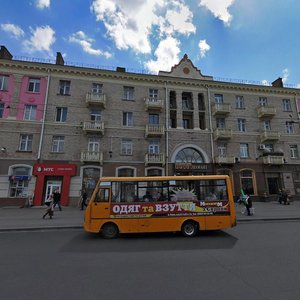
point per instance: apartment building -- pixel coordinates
(64, 126)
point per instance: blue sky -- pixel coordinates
(254, 40)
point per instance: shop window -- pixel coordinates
(247, 181)
(18, 182)
(90, 178)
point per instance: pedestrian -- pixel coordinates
(280, 196)
(284, 197)
(248, 204)
(56, 199)
(83, 199)
(50, 208)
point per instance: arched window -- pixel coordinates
(90, 176)
(189, 155)
(125, 172)
(247, 181)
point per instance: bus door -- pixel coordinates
(100, 207)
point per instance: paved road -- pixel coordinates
(12, 218)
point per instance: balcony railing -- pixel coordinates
(221, 109)
(154, 104)
(222, 134)
(154, 130)
(96, 99)
(93, 127)
(268, 135)
(224, 159)
(88, 156)
(273, 160)
(154, 159)
(266, 111)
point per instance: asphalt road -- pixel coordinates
(251, 261)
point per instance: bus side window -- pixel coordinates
(103, 195)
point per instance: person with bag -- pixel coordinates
(50, 207)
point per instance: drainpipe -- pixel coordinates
(210, 126)
(44, 116)
(167, 131)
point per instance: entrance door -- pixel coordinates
(51, 187)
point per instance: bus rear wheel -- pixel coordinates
(109, 231)
(189, 228)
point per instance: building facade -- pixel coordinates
(64, 126)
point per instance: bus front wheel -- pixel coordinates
(189, 228)
(109, 231)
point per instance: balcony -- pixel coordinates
(222, 134)
(89, 156)
(269, 135)
(266, 111)
(153, 104)
(92, 99)
(226, 160)
(153, 130)
(93, 127)
(221, 109)
(154, 159)
(273, 160)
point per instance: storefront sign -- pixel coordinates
(190, 166)
(54, 169)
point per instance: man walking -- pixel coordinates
(56, 199)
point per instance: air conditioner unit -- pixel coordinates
(261, 146)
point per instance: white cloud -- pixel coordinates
(219, 9)
(265, 82)
(41, 4)
(167, 54)
(41, 40)
(204, 47)
(285, 75)
(130, 24)
(13, 29)
(86, 43)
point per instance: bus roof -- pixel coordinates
(164, 178)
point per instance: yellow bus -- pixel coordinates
(160, 204)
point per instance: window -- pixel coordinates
(269, 147)
(266, 125)
(153, 147)
(61, 114)
(222, 149)
(127, 119)
(219, 98)
(153, 94)
(25, 142)
(58, 143)
(244, 150)
(247, 186)
(95, 115)
(64, 87)
(263, 101)
(290, 127)
(286, 105)
(18, 185)
(126, 147)
(97, 88)
(220, 122)
(128, 93)
(30, 112)
(94, 145)
(187, 101)
(3, 83)
(1, 109)
(34, 85)
(153, 119)
(242, 125)
(294, 151)
(240, 102)
(186, 123)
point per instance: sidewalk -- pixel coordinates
(14, 218)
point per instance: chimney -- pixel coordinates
(4, 53)
(278, 82)
(59, 59)
(120, 69)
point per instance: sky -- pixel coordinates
(252, 41)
